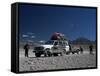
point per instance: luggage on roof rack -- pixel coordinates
(58, 36)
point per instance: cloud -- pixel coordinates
(33, 36)
(41, 41)
(24, 35)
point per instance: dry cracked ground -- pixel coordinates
(59, 62)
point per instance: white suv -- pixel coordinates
(52, 48)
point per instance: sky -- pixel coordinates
(40, 22)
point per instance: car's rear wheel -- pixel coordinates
(72, 52)
(64, 52)
(68, 52)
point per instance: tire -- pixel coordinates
(48, 53)
(77, 51)
(64, 52)
(72, 52)
(55, 54)
(67, 53)
(37, 54)
(61, 54)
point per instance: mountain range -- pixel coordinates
(82, 40)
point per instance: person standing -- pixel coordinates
(81, 50)
(26, 48)
(70, 48)
(91, 49)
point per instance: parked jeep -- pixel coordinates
(76, 49)
(52, 48)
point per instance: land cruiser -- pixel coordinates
(52, 48)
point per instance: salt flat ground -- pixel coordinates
(60, 62)
(31, 54)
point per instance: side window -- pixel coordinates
(66, 43)
(63, 43)
(56, 43)
(60, 43)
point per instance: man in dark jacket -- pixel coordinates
(91, 49)
(26, 48)
(81, 50)
(70, 48)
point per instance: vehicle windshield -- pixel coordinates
(49, 42)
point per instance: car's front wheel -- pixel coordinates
(37, 54)
(55, 54)
(48, 53)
